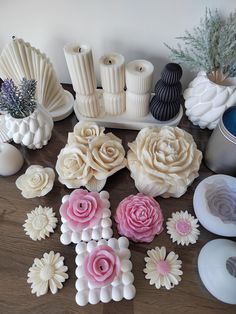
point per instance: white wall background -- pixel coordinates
(134, 28)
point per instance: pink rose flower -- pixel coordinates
(82, 210)
(102, 265)
(139, 218)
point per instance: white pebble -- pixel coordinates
(64, 228)
(107, 233)
(104, 195)
(129, 292)
(86, 235)
(127, 278)
(81, 284)
(96, 234)
(91, 245)
(80, 247)
(105, 294)
(117, 293)
(102, 242)
(94, 296)
(113, 243)
(116, 281)
(79, 260)
(65, 238)
(123, 242)
(63, 220)
(124, 254)
(126, 265)
(65, 198)
(76, 237)
(106, 222)
(106, 213)
(79, 272)
(91, 285)
(81, 298)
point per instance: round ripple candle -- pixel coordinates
(112, 68)
(139, 75)
(79, 61)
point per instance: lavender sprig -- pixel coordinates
(20, 101)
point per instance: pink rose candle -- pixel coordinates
(102, 265)
(83, 209)
(139, 218)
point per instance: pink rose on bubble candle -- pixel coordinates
(139, 218)
(102, 265)
(83, 209)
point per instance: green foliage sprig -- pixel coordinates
(20, 101)
(211, 47)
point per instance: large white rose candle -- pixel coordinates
(80, 65)
(112, 67)
(139, 83)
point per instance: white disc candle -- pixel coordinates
(112, 67)
(139, 76)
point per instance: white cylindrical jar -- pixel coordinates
(138, 75)
(112, 68)
(79, 60)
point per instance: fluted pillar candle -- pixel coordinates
(112, 68)
(138, 76)
(79, 61)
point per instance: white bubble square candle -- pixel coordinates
(85, 216)
(103, 271)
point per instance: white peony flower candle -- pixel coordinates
(163, 161)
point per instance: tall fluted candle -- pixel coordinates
(139, 75)
(112, 67)
(79, 60)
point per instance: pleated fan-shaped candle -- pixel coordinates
(20, 60)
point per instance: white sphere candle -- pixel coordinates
(11, 159)
(139, 76)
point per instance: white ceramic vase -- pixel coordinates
(33, 131)
(205, 101)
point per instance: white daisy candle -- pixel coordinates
(139, 75)
(112, 67)
(79, 60)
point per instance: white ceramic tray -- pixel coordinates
(124, 121)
